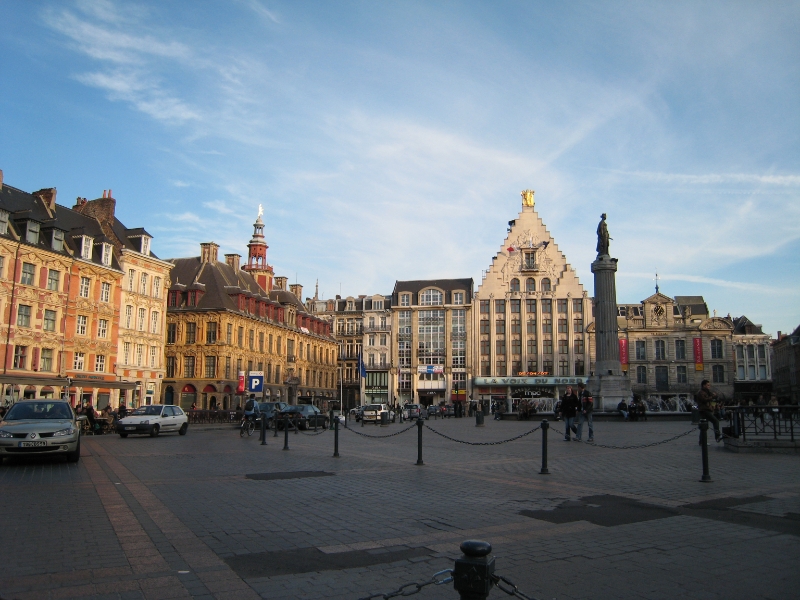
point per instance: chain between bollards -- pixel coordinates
(336, 438)
(419, 442)
(706, 478)
(545, 427)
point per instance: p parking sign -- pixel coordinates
(255, 381)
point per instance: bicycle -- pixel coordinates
(247, 425)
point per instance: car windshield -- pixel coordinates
(291, 409)
(39, 410)
(147, 410)
(372, 407)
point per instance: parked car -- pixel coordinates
(357, 413)
(448, 410)
(413, 411)
(303, 415)
(153, 419)
(269, 409)
(40, 426)
(434, 411)
(372, 413)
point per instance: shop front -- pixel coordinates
(506, 393)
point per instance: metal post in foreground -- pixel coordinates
(478, 418)
(704, 446)
(545, 427)
(419, 442)
(275, 422)
(472, 574)
(336, 438)
(296, 425)
(263, 430)
(330, 423)
(285, 432)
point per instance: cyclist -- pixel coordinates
(251, 409)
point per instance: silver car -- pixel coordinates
(41, 426)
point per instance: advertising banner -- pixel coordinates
(240, 386)
(697, 346)
(430, 369)
(623, 352)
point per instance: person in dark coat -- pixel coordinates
(570, 405)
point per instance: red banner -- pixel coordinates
(697, 345)
(240, 387)
(623, 352)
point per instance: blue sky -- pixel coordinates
(391, 140)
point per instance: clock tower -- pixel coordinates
(257, 256)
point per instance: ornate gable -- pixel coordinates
(716, 324)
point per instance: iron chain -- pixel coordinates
(447, 437)
(410, 589)
(380, 436)
(321, 431)
(499, 580)
(672, 439)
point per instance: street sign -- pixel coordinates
(255, 381)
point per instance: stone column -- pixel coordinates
(605, 316)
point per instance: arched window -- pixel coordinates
(545, 285)
(430, 297)
(515, 285)
(530, 284)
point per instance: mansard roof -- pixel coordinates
(696, 304)
(220, 280)
(744, 326)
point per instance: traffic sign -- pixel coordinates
(255, 381)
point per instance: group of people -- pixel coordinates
(580, 405)
(637, 409)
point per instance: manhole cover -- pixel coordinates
(288, 475)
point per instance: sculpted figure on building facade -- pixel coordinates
(527, 197)
(602, 236)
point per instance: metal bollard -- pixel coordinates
(704, 446)
(315, 423)
(478, 418)
(545, 427)
(384, 419)
(419, 442)
(286, 433)
(472, 574)
(695, 415)
(362, 419)
(336, 438)
(330, 422)
(275, 423)
(263, 430)
(296, 425)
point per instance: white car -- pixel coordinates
(154, 419)
(372, 412)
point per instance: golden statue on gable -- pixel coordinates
(527, 197)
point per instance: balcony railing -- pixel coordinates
(378, 328)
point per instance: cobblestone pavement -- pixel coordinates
(176, 517)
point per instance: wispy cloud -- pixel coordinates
(179, 184)
(220, 207)
(261, 10)
(734, 285)
(714, 178)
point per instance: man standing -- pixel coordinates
(585, 414)
(705, 402)
(569, 407)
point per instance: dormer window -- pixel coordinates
(377, 304)
(86, 247)
(351, 305)
(32, 232)
(3, 222)
(430, 297)
(58, 240)
(145, 245)
(106, 255)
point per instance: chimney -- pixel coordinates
(297, 290)
(48, 196)
(779, 335)
(232, 261)
(208, 252)
(280, 282)
(102, 209)
(1, 179)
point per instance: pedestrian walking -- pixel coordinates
(585, 414)
(705, 399)
(569, 408)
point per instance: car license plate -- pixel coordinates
(31, 444)
(130, 428)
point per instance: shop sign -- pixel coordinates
(531, 392)
(430, 369)
(478, 381)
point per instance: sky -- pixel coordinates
(391, 140)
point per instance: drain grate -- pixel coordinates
(288, 475)
(309, 560)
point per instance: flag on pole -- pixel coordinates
(362, 370)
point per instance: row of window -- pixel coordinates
(211, 367)
(530, 326)
(53, 283)
(141, 323)
(45, 363)
(662, 375)
(547, 367)
(141, 283)
(532, 347)
(660, 350)
(530, 285)
(432, 297)
(515, 306)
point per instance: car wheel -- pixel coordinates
(123, 435)
(154, 431)
(75, 456)
(184, 428)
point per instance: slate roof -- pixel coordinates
(447, 285)
(219, 280)
(696, 304)
(744, 326)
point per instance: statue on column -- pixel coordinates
(602, 236)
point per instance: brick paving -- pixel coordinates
(165, 517)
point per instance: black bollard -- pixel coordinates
(336, 438)
(275, 423)
(330, 422)
(296, 425)
(472, 574)
(384, 419)
(419, 442)
(545, 427)
(286, 433)
(704, 446)
(695, 415)
(263, 430)
(315, 424)
(478, 418)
